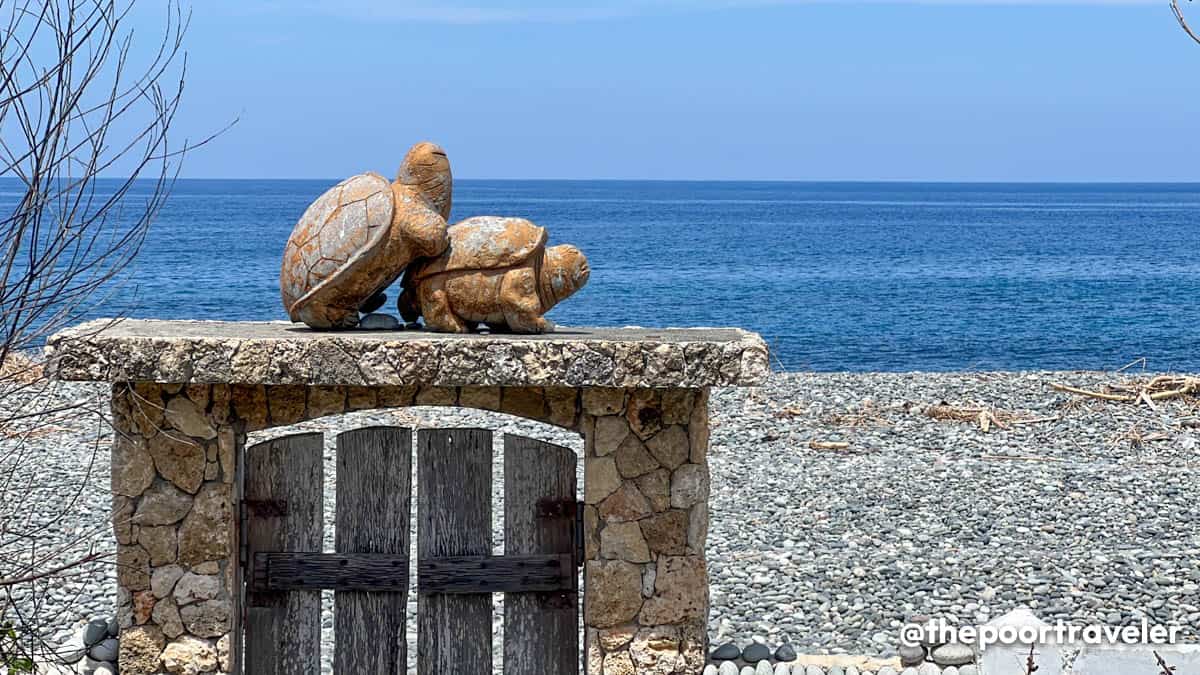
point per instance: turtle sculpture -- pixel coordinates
(496, 271)
(359, 236)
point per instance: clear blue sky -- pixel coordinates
(846, 90)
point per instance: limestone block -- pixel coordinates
(179, 459)
(591, 532)
(666, 533)
(133, 568)
(656, 650)
(619, 663)
(140, 649)
(166, 617)
(160, 542)
(206, 619)
(273, 353)
(190, 656)
(626, 504)
(643, 411)
(162, 504)
(132, 466)
(656, 488)
(614, 592)
(250, 404)
(689, 486)
(436, 396)
(163, 579)
(326, 401)
(562, 404)
(633, 459)
(143, 605)
(670, 446)
(285, 404)
(188, 417)
(480, 398)
(680, 592)
(609, 434)
(396, 397)
(122, 519)
(193, 587)
(360, 398)
(612, 639)
(527, 402)
(698, 528)
(677, 405)
(600, 401)
(205, 532)
(600, 479)
(624, 541)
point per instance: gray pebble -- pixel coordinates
(755, 652)
(105, 650)
(786, 652)
(911, 655)
(95, 631)
(953, 655)
(764, 668)
(726, 652)
(728, 668)
(379, 321)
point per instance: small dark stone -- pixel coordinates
(786, 652)
(379, 322)
(755, 652)
(96, 630)
(911, 655)
(113, 627)
(726, 652)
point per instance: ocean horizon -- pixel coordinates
(836, 276)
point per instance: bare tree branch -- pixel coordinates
(86, 144)
(1183, 20)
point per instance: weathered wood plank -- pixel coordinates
(496, 574)
(541, 631)
(330, 571)
(454, 518)
(283, 629)
(374, 496)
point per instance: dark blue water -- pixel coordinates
(835, 276)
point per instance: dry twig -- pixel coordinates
(986, 418)
(1183, 21)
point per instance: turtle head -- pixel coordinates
(427, 169)
(564, 271)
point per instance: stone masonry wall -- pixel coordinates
(175, 466)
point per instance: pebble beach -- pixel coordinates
(840, 506)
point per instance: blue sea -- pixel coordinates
(835, 276)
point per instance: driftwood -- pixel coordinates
(828, 445)
(986, 418)
(1160, 388)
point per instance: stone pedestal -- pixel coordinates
(185, 394)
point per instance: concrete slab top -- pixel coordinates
(244, 352)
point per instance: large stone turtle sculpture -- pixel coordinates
(359, 236)
(496, 271)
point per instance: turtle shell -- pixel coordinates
(485, 243)
(339, 229)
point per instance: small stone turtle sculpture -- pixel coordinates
(498, 272)
(359, 236)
